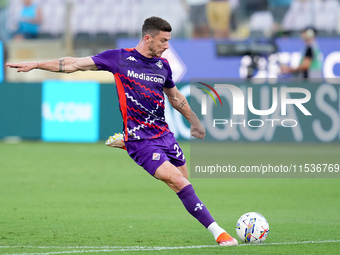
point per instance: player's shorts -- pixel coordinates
(152, 153)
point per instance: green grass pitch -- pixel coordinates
(60, 198)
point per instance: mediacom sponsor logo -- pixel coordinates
(146, 77)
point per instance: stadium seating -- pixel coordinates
(104, 17)
(327, 19)
(100, 19)
(261, 24)
(323, 15)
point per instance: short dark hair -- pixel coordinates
(154, 25)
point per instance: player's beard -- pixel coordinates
(153, 51)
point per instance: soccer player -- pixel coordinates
(142, 77)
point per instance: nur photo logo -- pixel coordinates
(242, 104)
(204, 97)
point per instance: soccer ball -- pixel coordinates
(252, 227)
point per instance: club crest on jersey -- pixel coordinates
(131, 58)
(159, 64)
(156, 156)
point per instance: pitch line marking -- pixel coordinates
(95, 249)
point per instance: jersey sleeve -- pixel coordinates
(169, 83)
(107, 60)
(309, 53)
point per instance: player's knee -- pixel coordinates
(178, 182)
(172, 176)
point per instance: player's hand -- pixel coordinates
(197, 130)
(23, 67)
(285, 69)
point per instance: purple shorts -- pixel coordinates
(152, 153)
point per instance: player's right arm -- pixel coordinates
(62, 65)
(179, 102)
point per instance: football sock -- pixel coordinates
(217, 232)
(194, 206)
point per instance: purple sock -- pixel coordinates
(194, 206)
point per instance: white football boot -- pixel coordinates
(116, 141)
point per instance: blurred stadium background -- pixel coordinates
(263, 35)
(58, 197)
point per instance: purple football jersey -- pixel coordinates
(139, 82)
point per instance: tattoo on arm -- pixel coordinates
(62, 65)
(181, 105)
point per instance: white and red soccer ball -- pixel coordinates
(252, 227)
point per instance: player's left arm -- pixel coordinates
(180, 103)
(62, 65)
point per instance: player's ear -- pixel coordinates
(147, 38)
